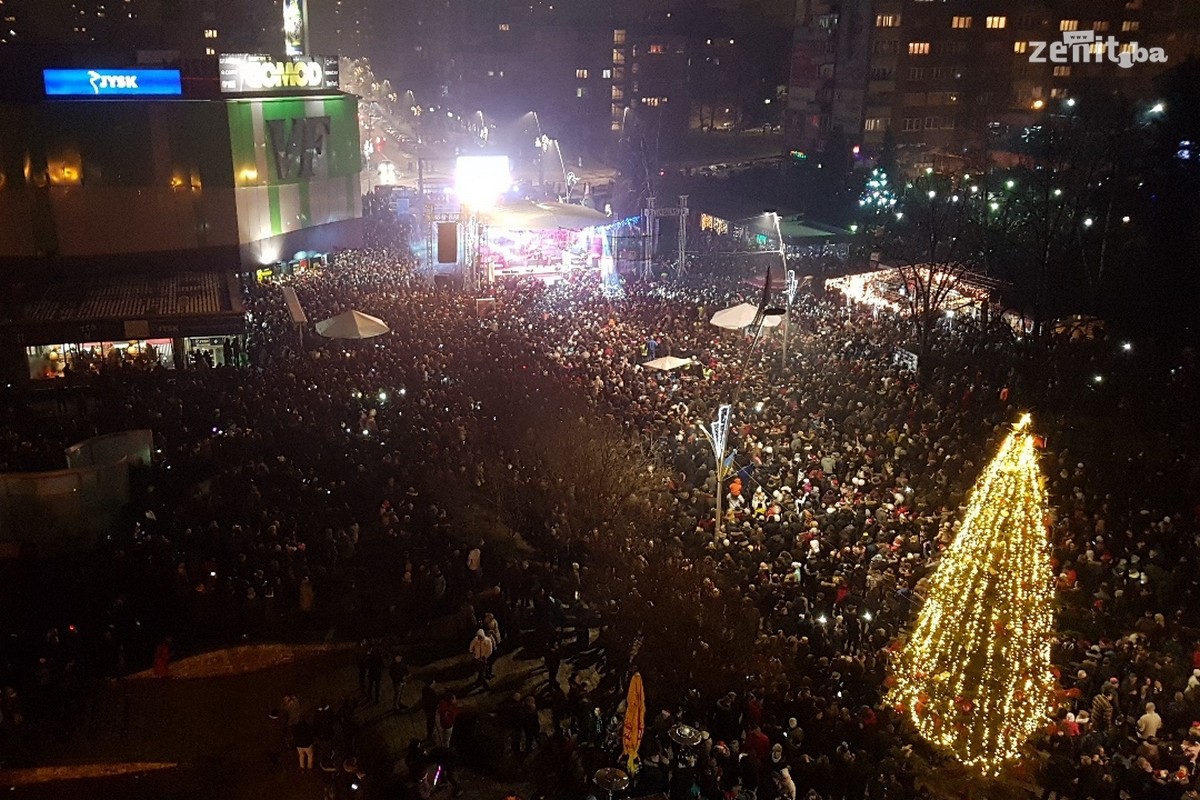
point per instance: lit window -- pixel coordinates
(887, 20)
(1062, 72)
(997, 22)
(873, 124)
(656, 49)
(208, 51)
(581, 91)
(1068, 24)
(581, 74)
(1130, 25)
(1020, 47)
(503, 26)
(618, 56)
(960, 22)
(918, 48)
(1101, 26)
(606, 74)
(619, 36)
(210, 33)
(1126, 48)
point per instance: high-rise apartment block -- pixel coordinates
(938, 75)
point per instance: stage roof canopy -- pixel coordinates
(528, 215)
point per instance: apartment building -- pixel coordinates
(936, 75)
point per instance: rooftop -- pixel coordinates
(134, 297)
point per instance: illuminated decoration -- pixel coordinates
(717, 434)
(480, 180)
(635, 723)
(878, 195)
(974, 676)
(249, 72)
(295, 27)
(112, 82)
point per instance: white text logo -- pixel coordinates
(101, 82)
(1082, 47)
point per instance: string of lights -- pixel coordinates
(974, 675)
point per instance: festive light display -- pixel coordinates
(878, 195)
(974, 675)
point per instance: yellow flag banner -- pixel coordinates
(635, 722)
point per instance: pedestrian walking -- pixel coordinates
(447, 714)
(481, 649)
(303, 737)
(398, 673)
(374, 674)
(162, 658)
(553, 661)
(430, 698)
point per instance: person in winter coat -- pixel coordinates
(481, 649)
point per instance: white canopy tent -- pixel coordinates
(742, 316)
(352, 325)
(667, 363)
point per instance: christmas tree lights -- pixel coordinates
(974, 675)
(878, 195)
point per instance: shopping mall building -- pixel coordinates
(137, 196)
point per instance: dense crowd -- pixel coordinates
(846, 478)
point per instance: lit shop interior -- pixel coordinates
(92, 324)
(48, 361)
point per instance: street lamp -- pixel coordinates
(717, 434)
(789, 288)
(542, 143)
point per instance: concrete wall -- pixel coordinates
(68, 510)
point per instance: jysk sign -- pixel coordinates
(243, 73)
(112, 82)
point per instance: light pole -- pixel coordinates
(717, 434)
(542, 143)
(790, 287)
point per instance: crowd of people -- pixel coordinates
(846, 477)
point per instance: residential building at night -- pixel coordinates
(192, 28)
(937, 74)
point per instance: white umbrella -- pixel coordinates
(667, 363)
(352, 325)
(741, 316)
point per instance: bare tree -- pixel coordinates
(932, 243)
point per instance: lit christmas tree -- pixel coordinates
(878, 195)
(974, 675)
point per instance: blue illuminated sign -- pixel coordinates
(111, 82)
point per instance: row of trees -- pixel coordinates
(1068, 216)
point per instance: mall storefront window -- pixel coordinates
(50, 361)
